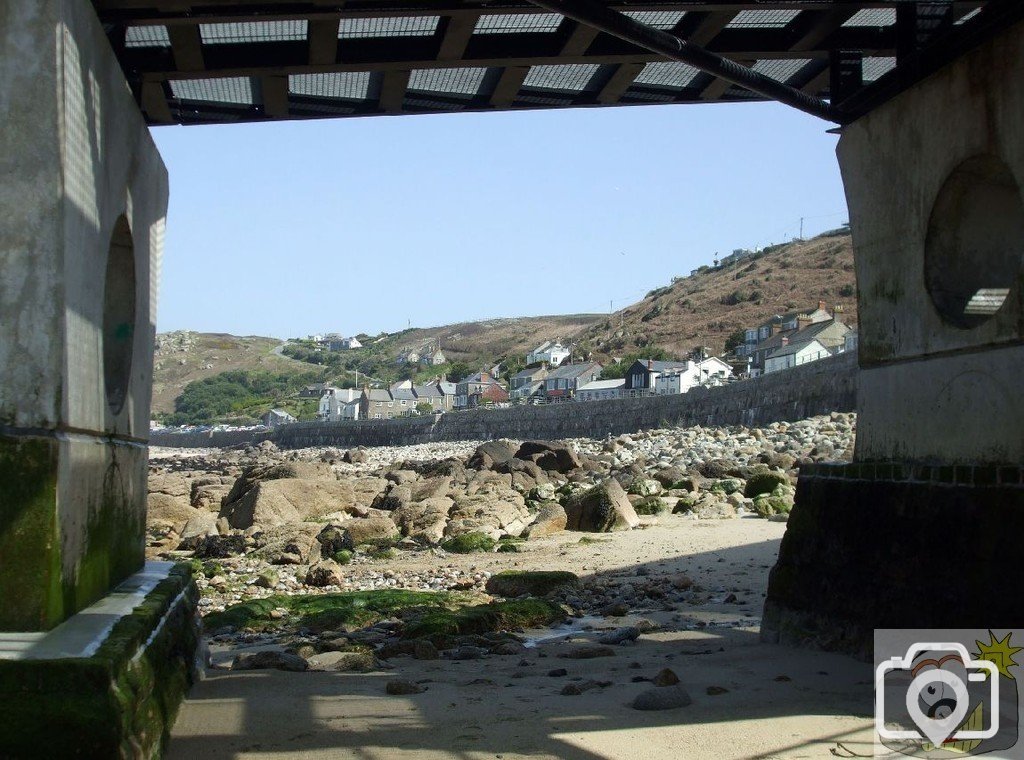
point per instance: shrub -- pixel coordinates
(343, 557)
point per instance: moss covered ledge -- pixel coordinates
(120, 701)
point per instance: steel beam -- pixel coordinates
(619, 25)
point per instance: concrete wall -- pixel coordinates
(817, 388)
(77, 164)
(933, 390)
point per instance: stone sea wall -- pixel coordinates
(829, 385)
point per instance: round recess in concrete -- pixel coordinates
(119, 315)
(975, 246)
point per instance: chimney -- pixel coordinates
(785, 340)
(802, 321)
(650, 364)
(821, 305)
(773, 329)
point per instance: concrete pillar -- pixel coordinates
(924, 529)
(84, 199)
(96, 648)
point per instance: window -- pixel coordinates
(391, 403)
(379, 404)
(403, 402)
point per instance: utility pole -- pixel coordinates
(801, 229)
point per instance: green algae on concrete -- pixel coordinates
(40, 586)
(121, 701)
(30, 581)
(114, 537)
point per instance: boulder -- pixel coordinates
(362, 530)
(551, 457)
(292, 544)
(491, 453)
(600, 509)
(200, 525)
(645, 487)
(669, 476)
(326, 572)
(493, 509)
(550, 519)
(424, 520)
(334, 539)
(394, 498)
(173, 511)
(354, 456)
(286, 500)
(269, 660)
(764, 483)
(513, 583)
(219, 547)
(347, 662)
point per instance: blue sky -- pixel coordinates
(364, 225)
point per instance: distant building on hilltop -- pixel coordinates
(554, 353)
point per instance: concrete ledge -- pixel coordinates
(891, 545)
(108, 681)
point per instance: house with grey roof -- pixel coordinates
(562, 383)
(377, 404)
(527, 383)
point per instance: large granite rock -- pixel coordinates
(600, 509)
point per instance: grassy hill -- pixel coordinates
(709, 306)
(703, 309)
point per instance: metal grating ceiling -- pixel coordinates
(780, 68)
(432, 105)
(210, 59)
(872, 17)
(876, 68)
(146, 36)
(517, 23)
(448, 81)
(253, 31)
(767, 19)
(403, 26)
(544, 100)
(348, 85)
(667, 74)
(572, 77)
(657, 19)
(237, 90)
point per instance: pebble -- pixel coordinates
(400, 688)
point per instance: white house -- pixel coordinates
(793, 354)
(333, 402)
(277, 417)
(710, 371)
(600, 390)
(552, 353)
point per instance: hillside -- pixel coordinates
(483, 343)
(706, 308)
(703, 309)
(182, 357)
